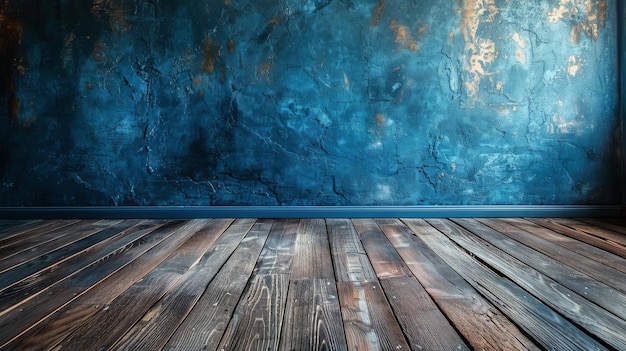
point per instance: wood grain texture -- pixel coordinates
(312, 318)
(154, 293)
(258, 319)
(42, 240)
(9, 229)
(592, 289)
(470, 313)
(143, 287)
(57, 327)
(61, 293)
(588, 250)
(385, 259)
(28, 280)
(349, 257)
(277, 254)
(205, 324)
(582, 236)
(614, 224)
(576, 261)
(569, 303)
(312, 252)
(53, 266)
(424, 324)
(368, 320)
(615, 236)
(156, 327)
(539, 321)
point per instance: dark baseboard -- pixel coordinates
(310, 211)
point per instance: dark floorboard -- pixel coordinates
(313, 284)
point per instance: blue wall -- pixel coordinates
(309, 102)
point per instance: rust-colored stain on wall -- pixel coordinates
(403, 36)
(376, 13)
(211, 53)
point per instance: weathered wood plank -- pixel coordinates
(423, 323)
(349, 257)
(42, 240)
(569, 303)
(257, 321)
(51, 267)
(605, 274)
(597, 254)
(615, 235)
(368, 320)
(61, 293)
(14, 235)
(278, 251)
(26, 281)
(582, 236)
(592, 289)
(617, 224)
(482, 324)
(206, 323)
(176, 250)
(384, 258)
(313, 318)
(312, 252)
(544, 325)
(147, 299)
(10, 228)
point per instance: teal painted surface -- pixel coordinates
(310, 102)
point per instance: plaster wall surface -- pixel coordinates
(309, 102)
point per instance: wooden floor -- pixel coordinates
(313, 284)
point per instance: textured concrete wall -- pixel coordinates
(309, 102)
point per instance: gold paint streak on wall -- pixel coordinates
(376, 13)
(573, 65)
(595, 12)
(479, 52)
(403, 36)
